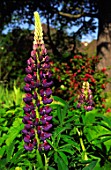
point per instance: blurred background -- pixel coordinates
(70, 27)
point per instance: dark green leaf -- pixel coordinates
(10, 150)
(39, 159)
(3, 162)
(70, 151)
(51, 168)
(55, 156)
(104, 125)
(59, 114)
(58, 99)
(91, 165)
(50, 143)
(16, 155)
(64, 157)
(2, 150)
(61, 164)
(14, 131)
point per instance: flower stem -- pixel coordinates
(46, 162)
(82, 144)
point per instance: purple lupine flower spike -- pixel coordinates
(38, 81)
(86, 98)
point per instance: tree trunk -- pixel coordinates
(104, 37)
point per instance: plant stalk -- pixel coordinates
(82, 144)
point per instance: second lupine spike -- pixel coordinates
(85, 98)
(37, 111)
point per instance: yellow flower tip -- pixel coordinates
(38, 34)
(85, 85)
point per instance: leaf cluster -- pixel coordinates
(80, 139)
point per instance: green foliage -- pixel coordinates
(12, 153)
(80, 139)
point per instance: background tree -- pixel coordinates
(58, 14)
(62, 15)
(104, 36)
(15, 48)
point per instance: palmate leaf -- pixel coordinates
(59, 114)
(15, 111)
(105, 119)
(14, 131)
(51, 144)
(71, 100)
(55, 157)
(2, 150)
(56, 137)
(17, 95)
(70, 120)
(51, 168)
(64, 112)
(66, 149)
(16, 156)
(2, 120)
(61, 110)
(105, 138)
(107, 166)
(55, 121)
(60, 100)
(40, 168)
(39, 159)
(22, 161)
(10, 150)
(60, 163)
(50, 153)
(27, 164)
(59, 130)
(91, 165)
(4, 137)
(104, 125)
(98, 130)
(57, 140)
(89, 117)
(3, 162)
(70, 141)
(64, 157)
(13, 135)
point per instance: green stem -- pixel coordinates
(46, 162)
(82, 144)
(39, 158)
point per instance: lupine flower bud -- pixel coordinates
(85, 98)
(38, 81)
